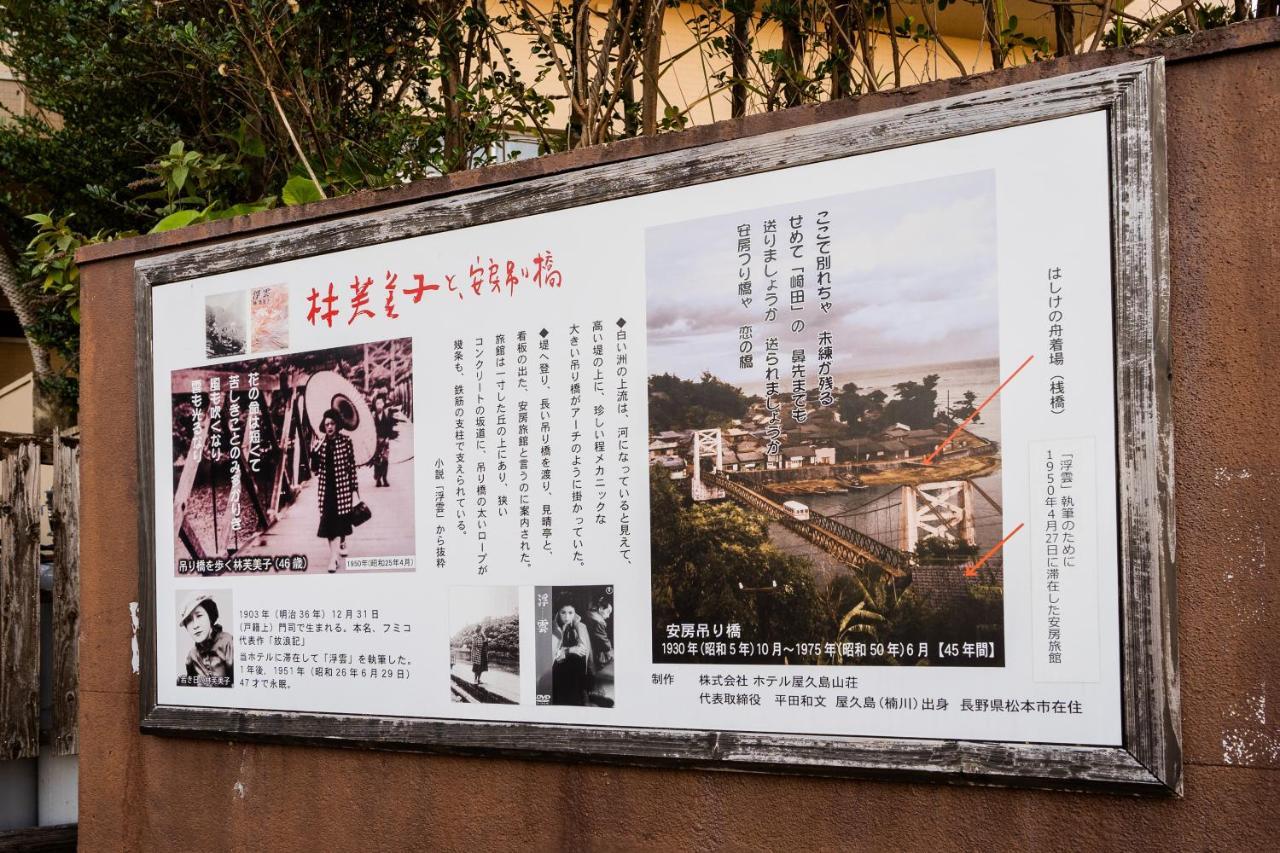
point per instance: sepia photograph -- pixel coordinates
(829, 417)
(576, 646)
(297, 463)
(484, 644)
(206, 649)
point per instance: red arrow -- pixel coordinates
(928, 460)
(972, 571)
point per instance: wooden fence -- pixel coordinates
(23, 503)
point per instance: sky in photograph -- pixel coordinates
(471, 604)
(913, 283)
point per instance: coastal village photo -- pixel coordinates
(820, 503)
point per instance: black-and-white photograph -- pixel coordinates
(297, 463)
(205, 648)
(226, 324)
(484, 644)
(575, 640)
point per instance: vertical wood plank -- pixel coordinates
(20, 602)
(65, 521)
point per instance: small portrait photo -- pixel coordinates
(226, 324)
(484, 644)
(205, 649)
(269, 318)
(575, 651)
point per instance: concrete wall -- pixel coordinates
(148, 793)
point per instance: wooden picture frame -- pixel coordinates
(1149, 759)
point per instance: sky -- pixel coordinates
(913, 283)
(471, 604)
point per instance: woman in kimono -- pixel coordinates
(334, 464)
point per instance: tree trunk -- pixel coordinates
(651, 59)
(632, 121)
(841, 34)
(1064, 30)
(994, 27)
(793, 55)
(49, 412)
(20, 301)
(454, 157)
(739, 51)
(580, 117)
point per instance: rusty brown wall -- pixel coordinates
(150, 793)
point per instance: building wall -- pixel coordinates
(17, 405)
(15, 359)
(143, 793)
(12, 99)
(689, 80)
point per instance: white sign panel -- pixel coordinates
(841, 449)
(820, 450)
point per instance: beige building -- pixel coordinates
(691, 79)
(13, 99)
(16, 384)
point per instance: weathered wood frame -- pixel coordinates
(1150, 759)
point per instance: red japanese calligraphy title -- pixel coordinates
(495, 278)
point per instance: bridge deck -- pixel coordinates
(839, 540)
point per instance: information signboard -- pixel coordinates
(841, 449)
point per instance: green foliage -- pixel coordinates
(860, 412)
(300, 190)
(713, 563)
(676, 403)
(974, 614)
(50, 259)
(934, 550)
(857, 608)
(116, 82)
(152, 116)
(1034, 48)
(914, 404)
(185, 177)
(192, 187)
(1123, 31)
(52, 256)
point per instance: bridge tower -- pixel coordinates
(942, 510)
(707, 442)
